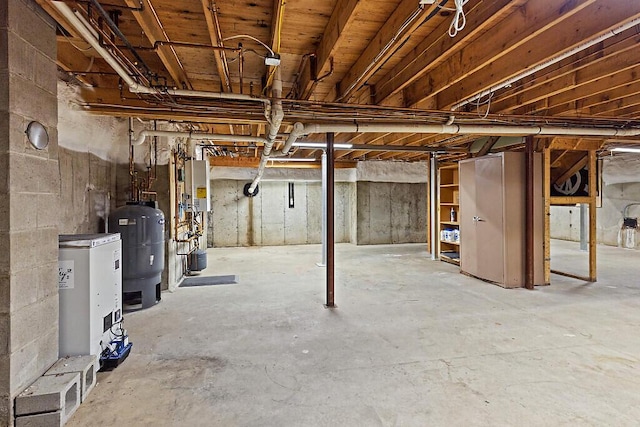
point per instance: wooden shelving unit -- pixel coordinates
(448, 222)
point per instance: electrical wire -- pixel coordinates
(247, 36)
(74, 45)
(459, 19)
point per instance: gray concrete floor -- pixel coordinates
(412, 343)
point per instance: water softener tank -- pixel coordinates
(142, 231)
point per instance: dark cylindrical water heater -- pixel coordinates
(142, 231)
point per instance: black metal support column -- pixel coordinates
(330, 222)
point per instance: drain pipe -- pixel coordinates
(84, 29)
(550, 62)
(139, 140)
(277, 114)
(496, 130)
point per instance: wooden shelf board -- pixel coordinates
(449, 223)
(445, 258)
(450, 243)
(449, 204)
(449, 185)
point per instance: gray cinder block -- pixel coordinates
(51, 393)
(86, 366)
(40, 420)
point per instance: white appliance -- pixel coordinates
(90, 289)
(197, 188)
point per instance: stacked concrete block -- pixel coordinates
(49, 401)
(28, 177)
(86, 366)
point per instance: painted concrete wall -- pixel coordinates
(29, 192)
(391, 213)
(621, 186)
(87, 192)
(267, 219)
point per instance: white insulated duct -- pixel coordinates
(277, 115)
(550, 62)
(84, 29)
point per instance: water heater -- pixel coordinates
(197, 185)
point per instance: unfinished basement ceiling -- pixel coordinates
(366, 61)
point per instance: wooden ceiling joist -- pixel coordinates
(148, 21)
(543, 47)
(499, 44)
(342, 16)
(406, 18)
(438, 46)
(215, 34)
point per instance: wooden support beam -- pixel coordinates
(148, 21)
(527, 23)
(556, 78)
(580, 144)
(593, 238)
(393, 33)
(569, 200)
(487, 146)
(341, 17)
(544, 46)
(546, 191)
(215, 34)
(438, 46)
(571, 170)
(568, 96)
(254, 162)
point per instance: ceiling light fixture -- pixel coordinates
(625, 150)
(37, 134)
(322, 145)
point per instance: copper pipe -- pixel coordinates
(241, 68)
(529, 214)
(176, 214)
(330, 222)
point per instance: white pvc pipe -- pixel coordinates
(87, 33)
(549, 62)
(139, 140)
(297, 132)
(493, 130)
(277, 115)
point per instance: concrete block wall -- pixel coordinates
(29, 200)
(391, 213)
(87, 191)
(267, 219)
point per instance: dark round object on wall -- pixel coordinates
(246, 190)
